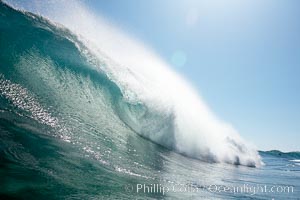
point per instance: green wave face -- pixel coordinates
(60, 87)
(48, 88)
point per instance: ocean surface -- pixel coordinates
(73, 127)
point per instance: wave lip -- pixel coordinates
(154, 101)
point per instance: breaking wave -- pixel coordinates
(72, 71)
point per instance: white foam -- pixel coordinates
(297, 161)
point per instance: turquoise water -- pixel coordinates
(65, 131)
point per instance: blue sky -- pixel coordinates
(242, 56)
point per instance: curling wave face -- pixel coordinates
(90, 77)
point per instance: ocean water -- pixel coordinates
(80, 123)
